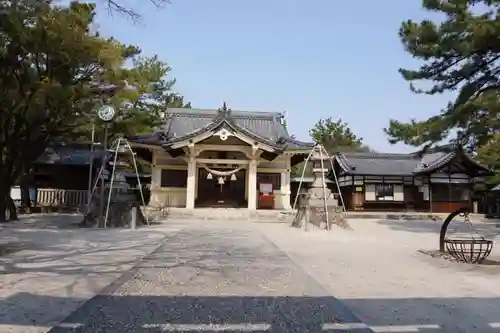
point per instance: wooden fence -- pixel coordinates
(50, 197)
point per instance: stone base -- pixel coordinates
(315, 218)
(311, 211)
(120, 211)
(214, 214)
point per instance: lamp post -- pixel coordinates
(106, 113)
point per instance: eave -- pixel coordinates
(153, 140)
(476, 168)
(344, 165)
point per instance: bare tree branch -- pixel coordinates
(117, 6)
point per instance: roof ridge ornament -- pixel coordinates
(224, 109)
(223, 114)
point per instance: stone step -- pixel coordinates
(282, 215)
(226, 214)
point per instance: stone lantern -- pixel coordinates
(318, 206)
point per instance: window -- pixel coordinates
(173, 178)
(384, 192)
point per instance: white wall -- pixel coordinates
(166, 196)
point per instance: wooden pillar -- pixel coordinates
(429, 188)
(252, 185)
(191, 183)
(285, 185)
(155, 197)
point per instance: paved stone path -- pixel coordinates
(211, 279)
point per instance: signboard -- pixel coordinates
(266, 188)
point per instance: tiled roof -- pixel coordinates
(183, 123)
(68, 156)
(400, 164)
(377, 164)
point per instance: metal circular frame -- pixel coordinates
(472, 251)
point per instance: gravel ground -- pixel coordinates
(377, 272)
(234, 276)
(213, 278)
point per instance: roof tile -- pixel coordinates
(395, 164)
(379, 164)
(184, 122)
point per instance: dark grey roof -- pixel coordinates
(68, 156)
(402, 164)
(184, 123)
(377, 164)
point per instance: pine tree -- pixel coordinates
(461, 53)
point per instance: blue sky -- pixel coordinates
(314, 59)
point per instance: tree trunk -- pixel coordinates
(6, 202)
(12, 209)
(3, 208)
(8, 211)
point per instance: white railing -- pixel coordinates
(61, 198)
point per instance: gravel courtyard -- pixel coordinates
(377, 271)
(232, 276)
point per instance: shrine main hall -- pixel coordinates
(221, 158)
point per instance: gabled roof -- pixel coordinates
(184, 124)
(378, 164)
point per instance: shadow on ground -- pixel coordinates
(45, 221)
(486, 229)
(43, 246)
(148, 314)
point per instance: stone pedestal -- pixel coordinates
(120, 210)
(319, 206)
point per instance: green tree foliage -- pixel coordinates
(460, 53)
(48, 59)
(336, 136)
(52, 72)
(489, 154)
(141, 106)
(177, 101)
